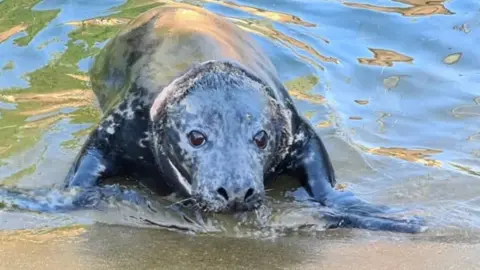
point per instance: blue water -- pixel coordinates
(401, 125)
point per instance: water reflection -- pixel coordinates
(51, 102)
(10, 32)
(416, 7)
(18, 16)
(468, 110)
(269, 31)
(301, 89)
(474, 137)
(381, 121)
(407, 134)
(271, 15)
(382, 57)
(466, 169)
(412, 155)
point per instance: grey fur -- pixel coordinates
(230, 106)
(180, 68)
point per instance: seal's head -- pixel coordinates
(216, 130)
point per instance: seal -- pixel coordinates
(192, 105)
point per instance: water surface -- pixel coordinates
(391, 86)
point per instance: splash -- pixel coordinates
(109, 204)
(116, 205)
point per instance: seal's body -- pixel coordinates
(192, 105)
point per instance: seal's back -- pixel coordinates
(164, 42)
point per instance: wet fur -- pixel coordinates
(128, 141)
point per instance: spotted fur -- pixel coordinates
(161, 78)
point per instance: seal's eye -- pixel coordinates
(196, 138)
(261, 139)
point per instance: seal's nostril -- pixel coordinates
(248, 194)
(223, 193)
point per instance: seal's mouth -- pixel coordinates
(231, 208)
(219, 206)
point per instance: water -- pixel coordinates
(380, 80)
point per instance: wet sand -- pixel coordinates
(115, 247)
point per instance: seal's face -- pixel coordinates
(219, 139)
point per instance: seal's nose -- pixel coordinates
(228, 196)
(240, 196)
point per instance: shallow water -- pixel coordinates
(392, 87)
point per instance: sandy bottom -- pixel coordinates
(106, 247)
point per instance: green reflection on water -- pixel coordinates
(12, 179)
(301, 88)
(15, 13)
(9, 65)
(58, 90)
(132, 9)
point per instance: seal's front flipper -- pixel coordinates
(313, 166)
(345, 220)
(92, 164)
(69, 199)
(87, 170)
